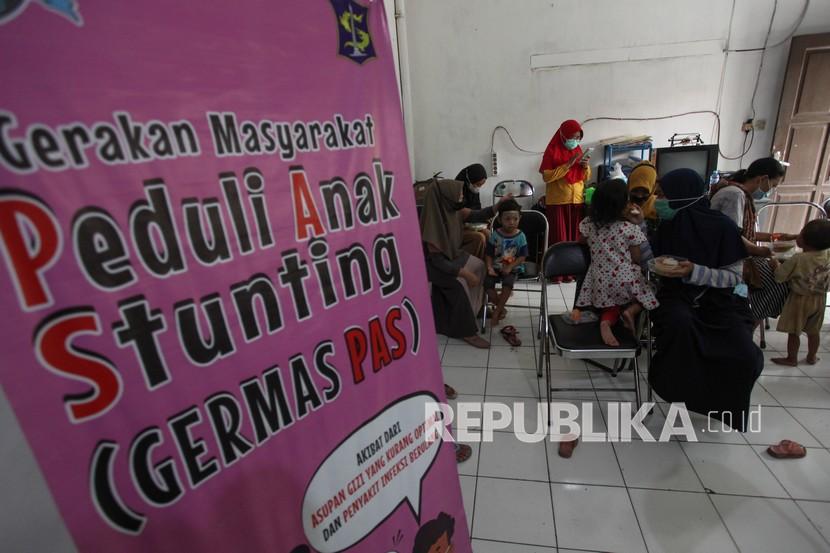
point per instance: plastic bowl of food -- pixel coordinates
(782, 246)
(665, 265)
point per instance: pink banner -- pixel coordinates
(218, 334)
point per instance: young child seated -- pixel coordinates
(614, 282)
(808, 275)
(504, 256)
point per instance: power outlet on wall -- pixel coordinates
(756, 124)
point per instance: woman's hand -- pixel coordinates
(584, 162)
(683, 269)
(774, 237)
(491, 271)
(634, 214)
(470, 277)
(761, 251)
(508, 196)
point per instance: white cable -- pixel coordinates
(795, 27)
(763, 55)
(493, 139)
(709, 111)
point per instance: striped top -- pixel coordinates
(724, 277)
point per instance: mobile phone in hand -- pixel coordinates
(586, 155)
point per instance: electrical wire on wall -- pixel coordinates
(672, 116)
(750, 134)
(494, 157)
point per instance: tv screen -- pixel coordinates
(701, 159)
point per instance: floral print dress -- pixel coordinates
(613, 279)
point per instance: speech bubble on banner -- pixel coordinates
(370, 473)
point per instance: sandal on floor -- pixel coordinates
(566, 449)
(511, 335)
(462, 452)
(450, 392)
(787, 449)
(477, 341)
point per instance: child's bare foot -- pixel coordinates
(608, 337)
(576, 314)
(812, 360)
(786, 361)
(498, 315)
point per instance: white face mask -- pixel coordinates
(663, 206)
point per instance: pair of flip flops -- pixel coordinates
(510, 334)
(787, 449)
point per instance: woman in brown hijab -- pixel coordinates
(457, 277)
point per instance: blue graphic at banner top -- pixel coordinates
(353, 26)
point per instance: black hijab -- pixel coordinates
(469, 175)
(472, 173)
(700, 234)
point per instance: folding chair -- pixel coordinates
(581, 341)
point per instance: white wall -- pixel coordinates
(468, 64)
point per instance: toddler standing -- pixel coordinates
(808, 275)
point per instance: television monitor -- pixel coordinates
(703, 159)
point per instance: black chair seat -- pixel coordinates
(586, 336)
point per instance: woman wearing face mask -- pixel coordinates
(475, 235)
(565, 171)
(703, 328)
(735, 197)
(457, 277)
(641, 184)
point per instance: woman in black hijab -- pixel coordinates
(705, 355)
(473, 176)
(475, 235)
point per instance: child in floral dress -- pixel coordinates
(614, 283)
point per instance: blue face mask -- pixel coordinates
(760, 194)
(571, 143)
(664, 212)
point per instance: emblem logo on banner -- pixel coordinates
(9, 9)
(353, 28)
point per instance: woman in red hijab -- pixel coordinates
(564, 171)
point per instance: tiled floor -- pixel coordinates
(722, 494)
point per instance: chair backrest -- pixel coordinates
(566, 259)
(519, 189)
(535, 227)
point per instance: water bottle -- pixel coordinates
(714, 179)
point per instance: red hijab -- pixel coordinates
(557, 154)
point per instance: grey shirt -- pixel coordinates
(730, 201)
